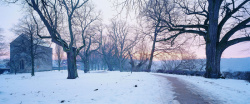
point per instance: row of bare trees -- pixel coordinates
(182, 59)
(72, 25)
(113, 48)
(65, 21)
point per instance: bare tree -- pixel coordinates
(139, 57)
(222, 23)
(182, 59)
(96, 61)
(94, 37)
(171, 60)
(215, 29)
(31, 30)
(155, 25)
(92, 33)
(119, 31)
(108, 52)
(188, 60)
(58, 14)
(59, 54)
(2, 44)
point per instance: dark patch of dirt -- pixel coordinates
(62, 101)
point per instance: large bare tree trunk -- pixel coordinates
(32, 55)
(59, 65)
(110, 67)
(152, 53)
(71, 60)
(213, 64)
(86, 65)
(120, 65)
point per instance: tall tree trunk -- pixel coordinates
(94, 66)
(110, 67)
(218, 60)
(211, 61)
(71, 60)
(120, 62)
(213, 67)
(120, 65)
(86, 64)
(32, 56)
(152, 54)
(59, 64)
(98, 67)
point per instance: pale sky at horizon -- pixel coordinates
(10, 14)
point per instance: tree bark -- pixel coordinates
(110, 67)
(32, 56)
(121, 66)
(86, 64)
(213, 59)
(152, 54)
(71, 60)
(59, 64)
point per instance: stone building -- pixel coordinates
(20, 55)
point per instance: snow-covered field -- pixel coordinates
(235, 64)
(226, 91)
(91, 88)
(104, 87)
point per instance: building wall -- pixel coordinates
(20, 52)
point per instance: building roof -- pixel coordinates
(22, 36)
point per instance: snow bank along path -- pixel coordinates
(92, 88)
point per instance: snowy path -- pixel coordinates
(214, 91)
(183, 94)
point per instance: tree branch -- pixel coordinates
(240, 26)
(229, 14)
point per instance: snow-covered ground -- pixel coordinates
(104, 87)
(226, 91)
(92, 88)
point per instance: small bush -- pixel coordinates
(237, 75)
(248, 76)
(160, 71)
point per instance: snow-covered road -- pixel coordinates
(221, 91)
